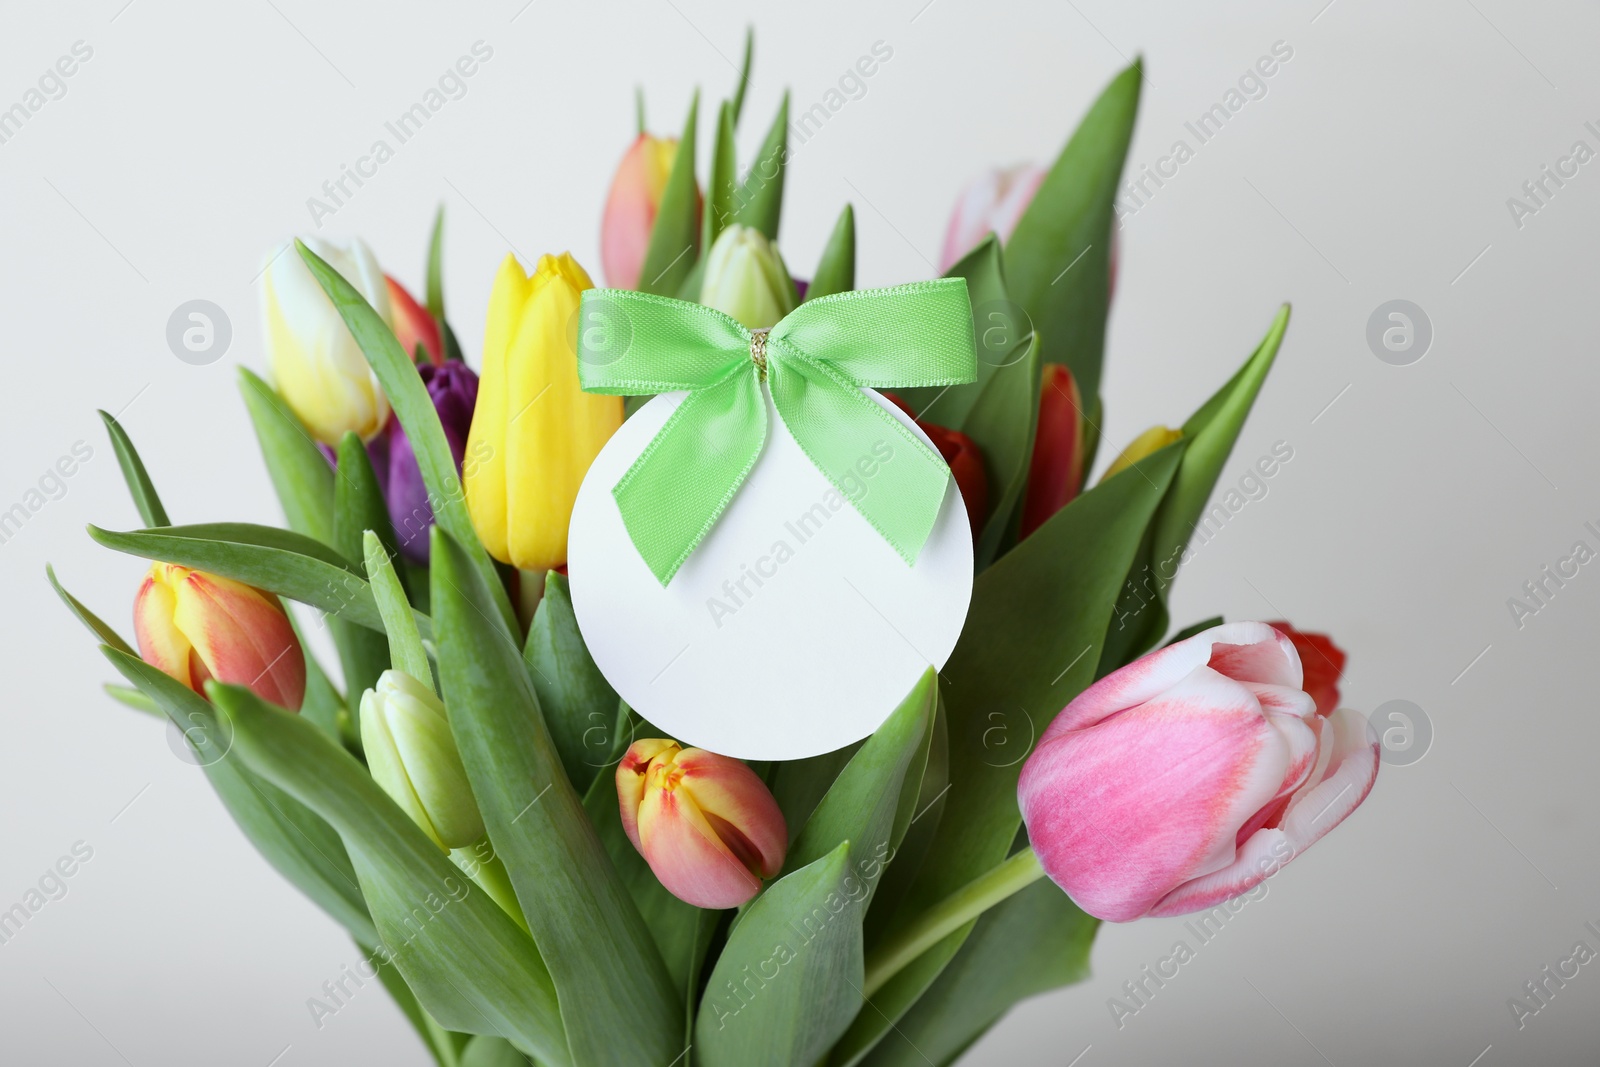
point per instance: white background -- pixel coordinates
(1377, 167)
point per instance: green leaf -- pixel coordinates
(405, 642)
(436, 267)
(1058, 258)
(133, 472)
(579, 705)
(789, 978)
(799, 785)
(1003, 423)
(744, 73)
(486, 1051)
(760, 196)
(927, 808)
(1034, 941)
(131, 697)
(1142, 616)
(278, 561)
(469, 964)
(723, 183)
(323, 703)
(619, 1005)
(441, 1042)
(1001, 329)
(836, 272)
(102, 632)
(675, 237)
(414, 408)
(358, 506)
(302, 847)
(300, 472)
(1030, 644)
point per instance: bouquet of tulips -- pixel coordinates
(534, 871)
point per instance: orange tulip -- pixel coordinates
(631, 207)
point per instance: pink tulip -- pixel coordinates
(706, 824)
(1191, 775)
(631, 207)
(992, 203)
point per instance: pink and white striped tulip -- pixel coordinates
(706, 824)
(1191, 775)
(992, 203)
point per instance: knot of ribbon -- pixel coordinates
(814, 364)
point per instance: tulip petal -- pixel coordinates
(631, 772)
(686, 855)
(1122, 812)
(485, 479)
(1346, 781)
(241, 636)
(733, 797)
(1151, 675)
(161, 643)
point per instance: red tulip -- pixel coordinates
(1055, 472)
(413, 325)
(194, 626)
(965, 461)
(706, 824)
(1322, 661)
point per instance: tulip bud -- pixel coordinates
(454, 390)
(631, 208)
(317, 364)
(194, 626)
(411, 753)
(706, 824)
(1191, 775)
(534, 431)
(993, 203)
(413, 325)
(745, 277)
(1151, 441)
(1056, 469)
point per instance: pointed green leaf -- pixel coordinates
(486, 1051)
(303, 848)
(278, 561)
(300, 472)
(788, 981)
(102, 632)
(436, 266)
(924, 814)
(1003, 423)
(744, 73)
(1058, 258)
(405, 642)
(619, 1006)
(579, 705)
(358, 506)
(133, 472)
(836, 273)
(799, 785)
(132, 698)
(675, 237)
(469, 965)
(414, 408)
(760, 195)
(723, 183)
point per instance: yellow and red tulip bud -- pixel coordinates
(706, 824)
(1056, 470)
(412, 754)
(194, 626)
(317, 364)
(412, 323)
(534, 430)
(631, 208)
(1151, 441)
(746, 278)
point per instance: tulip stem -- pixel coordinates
(949, 915)
(530, 590)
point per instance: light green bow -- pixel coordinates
(814, 362)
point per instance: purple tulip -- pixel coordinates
(454, 389)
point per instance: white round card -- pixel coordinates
(793, 629)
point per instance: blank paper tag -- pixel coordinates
(794, 628)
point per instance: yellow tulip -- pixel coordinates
(1152, 440)
(534, 431)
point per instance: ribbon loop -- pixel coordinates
(814, 363)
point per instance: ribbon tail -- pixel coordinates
(684, 479)
(887, 473)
